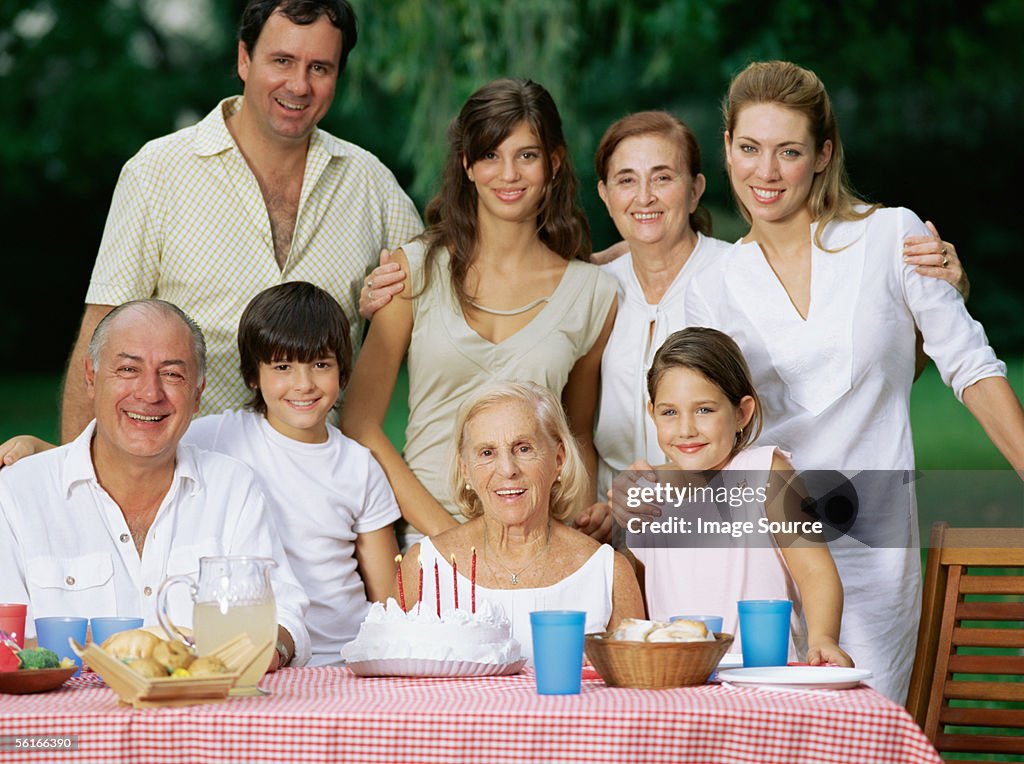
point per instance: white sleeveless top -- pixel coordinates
(588, 588)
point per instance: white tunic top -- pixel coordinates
(624, 431)
(321, 496)
(588, 588)
(836, 393)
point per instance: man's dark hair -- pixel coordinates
(339, 12)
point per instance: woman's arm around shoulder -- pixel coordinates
(580, 398)
(366, 404)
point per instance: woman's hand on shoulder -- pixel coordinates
(825, 651)
(596, 521)
(21, 446)
(936, 258)
(605, 256)
(384, 282)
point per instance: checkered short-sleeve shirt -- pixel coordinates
(188, 224)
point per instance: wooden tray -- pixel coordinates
(143, 692)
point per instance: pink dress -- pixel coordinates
(695, 581)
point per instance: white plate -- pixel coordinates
(731, 661)
(420, 667)
(797, 677)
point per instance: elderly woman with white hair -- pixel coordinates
(517, 474)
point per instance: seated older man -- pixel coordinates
(93, 527)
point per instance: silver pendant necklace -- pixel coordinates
(514, 574)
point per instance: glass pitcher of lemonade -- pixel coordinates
(233, 595)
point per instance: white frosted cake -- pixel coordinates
(458, 636)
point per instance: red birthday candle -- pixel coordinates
(472, 582)
(401, 586)
(419, 600)
(455, 581)
(437, 588)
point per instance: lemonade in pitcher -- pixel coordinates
(232, 595)
(212, 628)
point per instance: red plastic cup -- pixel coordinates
(12, 620)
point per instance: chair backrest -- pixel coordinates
(969, 668)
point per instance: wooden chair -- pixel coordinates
(972, 574)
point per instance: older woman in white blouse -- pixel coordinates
(649, 177)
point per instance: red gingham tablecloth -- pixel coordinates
(330, 715)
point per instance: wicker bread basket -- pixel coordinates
(654, 665)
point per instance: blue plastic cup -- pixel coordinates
(764, 632)
(712, 622)
(109, 625)
(53, 632)
(558, 650)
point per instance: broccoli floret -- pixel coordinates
(38, 658)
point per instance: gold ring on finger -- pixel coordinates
(945, 250)
(945, 262)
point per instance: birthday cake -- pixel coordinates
(457, 637)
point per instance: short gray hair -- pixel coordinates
(102, 332)
(568, 494)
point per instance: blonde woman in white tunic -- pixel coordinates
(821, 301)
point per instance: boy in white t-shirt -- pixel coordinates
(331, 502)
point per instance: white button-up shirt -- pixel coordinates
(66, 549)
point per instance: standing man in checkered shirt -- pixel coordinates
(252, 196)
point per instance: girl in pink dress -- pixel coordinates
(707, 413)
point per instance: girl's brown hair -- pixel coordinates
(717, 358)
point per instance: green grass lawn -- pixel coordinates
(946, 436)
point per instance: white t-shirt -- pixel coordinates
(66, 549)
(320, 497)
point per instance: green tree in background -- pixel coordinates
(926, 94)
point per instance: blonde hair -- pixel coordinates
(793, 87)
(567, 494)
